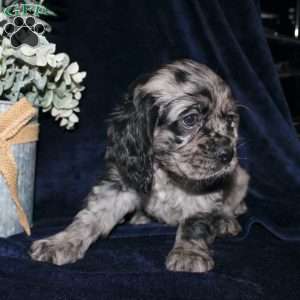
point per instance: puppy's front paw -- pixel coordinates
(55, 250)
(241, 209)
(139, 218)
(180, 260)
(229, 226)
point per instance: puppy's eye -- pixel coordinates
(190, 121)
(204, 110)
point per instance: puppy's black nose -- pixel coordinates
(225, 155)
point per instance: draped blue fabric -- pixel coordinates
(114, 41)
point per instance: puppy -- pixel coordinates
(171, 156)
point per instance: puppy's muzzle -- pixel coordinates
(224, 154)
(218, 148)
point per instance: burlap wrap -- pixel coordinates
(15, 128)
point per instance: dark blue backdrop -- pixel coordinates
(114, 41)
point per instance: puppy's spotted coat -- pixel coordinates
(171, 157)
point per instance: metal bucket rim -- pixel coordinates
(7, 102)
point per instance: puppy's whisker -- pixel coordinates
(242, 139)
(241, 144)
(244, 106)
(242, 158)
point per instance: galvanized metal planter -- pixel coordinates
(24, 155)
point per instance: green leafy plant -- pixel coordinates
(48, 79)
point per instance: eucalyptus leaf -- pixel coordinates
(51, 60)
(47, 109)
(70, 125)
(77, 95)
(58, 75)
(47, 99)
(9, 81)
(65, 113)
(62, 59)
(63, 122)
(54, 112)
(61, 90)
(73, 118)
(73, 68)
(66, 102)
(78, 77)
(31, 97)
(67, 78)
(27, 50)
(39, 81)
(51, 85)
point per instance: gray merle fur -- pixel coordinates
(171, 157)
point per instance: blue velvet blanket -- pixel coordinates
(115, 41)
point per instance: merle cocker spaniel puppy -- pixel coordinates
(171, 156)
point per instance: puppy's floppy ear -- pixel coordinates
(130, 136)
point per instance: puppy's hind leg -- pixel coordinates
(234, 203)
(106, 205)
(139, 218)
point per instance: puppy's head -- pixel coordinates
(184, 118)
